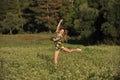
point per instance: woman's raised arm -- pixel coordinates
(58, 26)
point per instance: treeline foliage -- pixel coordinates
(92, 21)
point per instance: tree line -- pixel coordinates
(92, 21)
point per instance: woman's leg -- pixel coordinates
(56, 56)
(71, 50)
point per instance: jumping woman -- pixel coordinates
(58, 41)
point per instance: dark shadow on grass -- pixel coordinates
(49, 62)
(117, 77)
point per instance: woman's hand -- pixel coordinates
(58, 26)
(61, 20)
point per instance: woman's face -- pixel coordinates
(62, 31)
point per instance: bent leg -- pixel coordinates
(56, 56)
(70, 50)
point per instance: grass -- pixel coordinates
(30, 57)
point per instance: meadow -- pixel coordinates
(30, 57)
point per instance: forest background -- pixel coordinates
(88, 21)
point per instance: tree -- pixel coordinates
(3, 9)
(12, 23)
(9, 6)
(109, 30)
(105, 23)
(50, 10)
(10, 15)
(42, 15)
(87, 20)
(112, 25)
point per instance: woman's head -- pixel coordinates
(64, 33)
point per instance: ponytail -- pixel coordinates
(65, 36)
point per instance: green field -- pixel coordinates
(30, 57)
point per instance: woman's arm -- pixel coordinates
(55, 39)
(58, 26)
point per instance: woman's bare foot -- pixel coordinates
(78, 49)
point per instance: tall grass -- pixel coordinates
(30, 57)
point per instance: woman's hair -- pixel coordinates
(65, 36)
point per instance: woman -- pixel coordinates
(58, 40)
